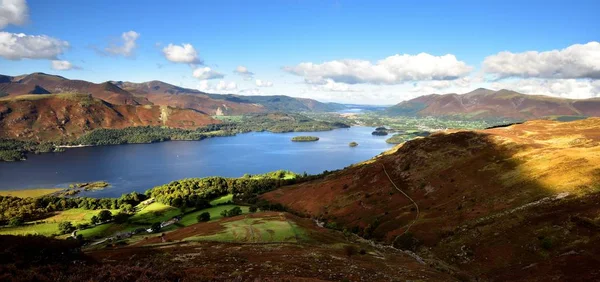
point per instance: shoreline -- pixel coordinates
(206, 137)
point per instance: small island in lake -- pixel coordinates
(305, 139)
(380, 131)
(353, 144)
(76, 188)
(87, 186)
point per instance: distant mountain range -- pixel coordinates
(159, 93)
(478, 104)
(485, 103)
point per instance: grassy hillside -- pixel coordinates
(536, 183)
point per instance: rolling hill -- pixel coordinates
(517, 203)
(484, 103)
(160, 93)
(67, 116)
(41, 83)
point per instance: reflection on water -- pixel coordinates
(139, 167)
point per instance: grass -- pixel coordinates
(97, 231)
(155, 212)
(229, 118)
(221, 200)
(45, 229)
(269, 229)
(29, 193)
(215, 213)
(49, 226)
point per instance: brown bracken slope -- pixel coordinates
(511, 203)
(485, 103)
(161, 93)
(67, 116)
(41, 83)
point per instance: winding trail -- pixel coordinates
(407, 196)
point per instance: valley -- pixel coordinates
(417, 198)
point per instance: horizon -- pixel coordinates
(347, 104)
(395, 52)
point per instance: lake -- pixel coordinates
(139, 167)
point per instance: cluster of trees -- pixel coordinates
(27, 209)
(232, 212)
(406, 136)
(203, 217)
(280, 122)
(15, 150)
(195, 192)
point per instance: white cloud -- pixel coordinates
(243, 71)
(63, 65)
(263, 83)
(128, 45)
(17, 46)
(575, 61)
(207, 73)
(251, 91)
(13, 12)
(227, 86)
(332, 86)
(223, 87)
(185, 54)
(565, 88)
(395, 69)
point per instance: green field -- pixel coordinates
(49, 226)
(221, 200)
(29, 193)
(261, 229)
(155, 212)
(215, 213)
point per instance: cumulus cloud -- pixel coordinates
(243, 71)
(221, 87)
(251, 91)
(17, 46)
(63, 65)
(185, 54)
(229, 86)
(13, 12)
(575, 61)
(207, 73)
(263, 83)
(127, 47)
(565, 88)
(332, 86)
(395, 69)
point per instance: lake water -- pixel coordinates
(138, 167)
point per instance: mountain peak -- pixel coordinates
(480, 91)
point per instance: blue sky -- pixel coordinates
(272, 39)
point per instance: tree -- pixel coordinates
(94, 220)
(253, 209)
(121, 217)
(16, 221)
(104, 215)
(224, 213)
(155, 227)
(65, 227)
(203, 217)
(128, 208)
(235, 211)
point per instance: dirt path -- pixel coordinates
(413, 201)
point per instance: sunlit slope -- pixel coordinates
(64, 116)
(471, 187)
